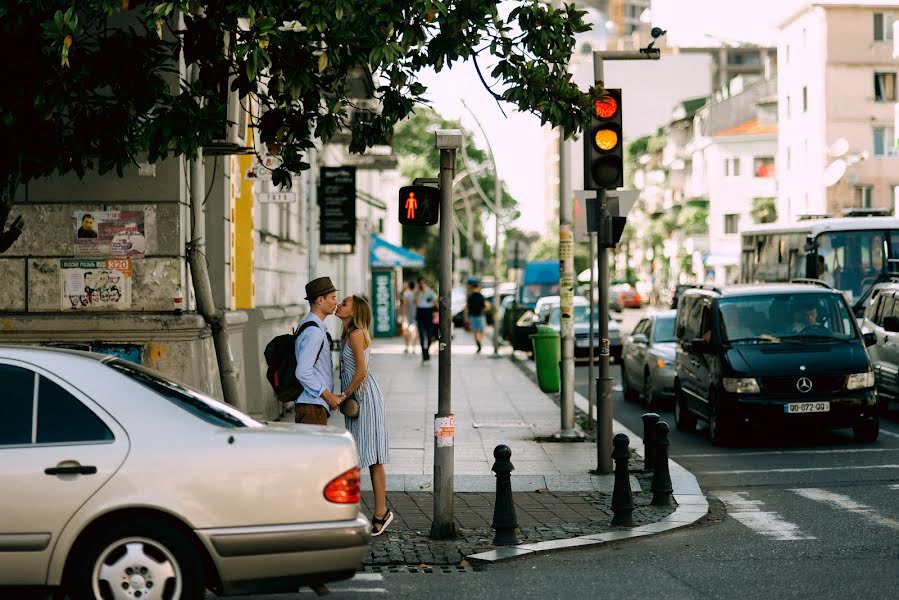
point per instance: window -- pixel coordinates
(763, 166)
(804, 99)
(731, 223)
(885, 308)
(63, 418)
(883, 26)
(884, 87)
(16, 405)
(731, 167)
(863, 196)
(884, 141)
(705, 324)
(664, 329)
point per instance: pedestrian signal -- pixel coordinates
(419, 205)
(603, 144)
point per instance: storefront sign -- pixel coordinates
(383, 309)
(337, 199)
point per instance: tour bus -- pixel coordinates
(850, 253)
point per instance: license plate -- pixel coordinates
(806, 407)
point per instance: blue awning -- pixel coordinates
(385, 254)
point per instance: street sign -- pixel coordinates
(620, 202)
(517, 250)
(419, 205)
(382, 293)
(337, 199)
(582, 213)
(277, 198)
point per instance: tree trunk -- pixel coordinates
(8, 186)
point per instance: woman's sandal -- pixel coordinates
(381, 523)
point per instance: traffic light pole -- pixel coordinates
(443, 525)
(604, 381)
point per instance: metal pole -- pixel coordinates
(497, 204)
(566, 292)
(590, 398)
(311, 207)
(604, 381)
(443, 526)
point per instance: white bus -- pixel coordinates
(850, 253)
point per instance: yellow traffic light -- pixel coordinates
(606, 139)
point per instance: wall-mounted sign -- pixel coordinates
(277, 197)
(382, 294)
(110, 233)
(98, 284)
(261, 169)
(337, 200)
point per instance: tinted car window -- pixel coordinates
(683, 311)
(663, 330)
(63, 418)
(201, 406)
(16, 405)
(782, 318)
(872, 309)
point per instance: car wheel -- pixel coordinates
(866, 429)
(684, 420)
(648, 398)
(629, 392)
(718, 431)
(141, 558)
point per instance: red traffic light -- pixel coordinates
(419, 205)
(605, 106)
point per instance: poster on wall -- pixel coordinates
(110, 233)
(96, 284)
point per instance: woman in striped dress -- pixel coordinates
(369, 429)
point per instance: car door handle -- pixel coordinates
(73, 470)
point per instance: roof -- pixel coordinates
(818, 226)
(756, 289)
(750, 127)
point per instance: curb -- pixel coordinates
(692, 505)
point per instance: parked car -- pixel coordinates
(628, 297)
(540, 278)
(582, 330)
(678, 291)
(882, 320)
(647, 362)
(776, 354)
(118, 482)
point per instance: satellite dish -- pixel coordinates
(838, 148)
(834, 172)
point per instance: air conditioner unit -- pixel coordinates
(233, 137)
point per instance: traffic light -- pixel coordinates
(419, 205)
(604, 145)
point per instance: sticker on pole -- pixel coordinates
(604, 347)
(445, 430)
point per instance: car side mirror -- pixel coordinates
(891, 324)
(639, 338)
(701, 346)
(870, 338)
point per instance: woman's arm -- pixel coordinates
(356, 342)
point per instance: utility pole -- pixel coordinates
(311, 216)
(443, 525)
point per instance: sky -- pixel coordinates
(518, 140)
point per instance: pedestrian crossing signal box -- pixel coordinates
(419, 205)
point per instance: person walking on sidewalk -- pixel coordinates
(425, 306)
(475, 305)
(313, 347)
(369, 428)
(407, 310)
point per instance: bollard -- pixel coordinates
(622, 498)
(649, 440)
(504, 521)
(661, 479)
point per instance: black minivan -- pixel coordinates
(774, 354)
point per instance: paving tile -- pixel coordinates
(500, 554)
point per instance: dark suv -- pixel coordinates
(779, 354)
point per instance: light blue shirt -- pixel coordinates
(315, 375)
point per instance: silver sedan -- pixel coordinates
(116, 482)
(647, 361)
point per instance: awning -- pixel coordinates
(385, 254)
(721, 259)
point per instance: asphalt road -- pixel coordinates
(793, 515)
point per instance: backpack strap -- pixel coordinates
(306, 326)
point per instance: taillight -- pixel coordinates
(345, 488)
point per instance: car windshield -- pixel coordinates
(201, 406)
(580, 315)
(782, 318)
(663, 330)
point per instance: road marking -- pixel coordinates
(846, 503)
(895, 486)
(885, 432)
(797, 470)
(354, 590)
(368, 577)
(767, 523)
(779, 452)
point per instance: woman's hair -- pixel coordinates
(360, 320)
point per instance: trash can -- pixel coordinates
(546, 358)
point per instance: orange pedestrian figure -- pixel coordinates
(411, 205)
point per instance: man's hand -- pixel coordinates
(332, 399)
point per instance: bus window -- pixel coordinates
(855, 259)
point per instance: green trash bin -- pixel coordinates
(546, 358)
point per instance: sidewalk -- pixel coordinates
(557, 502)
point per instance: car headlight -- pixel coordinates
(746, 385)
(858, 381)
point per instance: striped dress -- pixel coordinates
(369, 429)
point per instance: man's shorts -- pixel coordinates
(478, 323)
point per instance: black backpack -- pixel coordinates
(281, 358)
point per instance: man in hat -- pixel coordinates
(313, 347)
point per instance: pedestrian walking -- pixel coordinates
(475, 307)
(315, 371)
(369, 428)
(407, 312)
(425, 307)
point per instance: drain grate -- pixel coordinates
(430, 569)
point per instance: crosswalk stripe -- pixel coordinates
(846, 503)
(788, 452)
(353, 590)
(767, 523)
(797, 469)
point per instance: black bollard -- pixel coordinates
(661, 479)
(649, 440)
(504, 521)
(622, 498)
